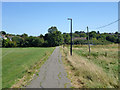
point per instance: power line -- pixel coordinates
(101, 26)
(108, 24)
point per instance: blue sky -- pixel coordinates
(34, 18)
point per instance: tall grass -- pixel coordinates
(99, 70)
(105, 56)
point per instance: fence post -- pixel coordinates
(88, 40)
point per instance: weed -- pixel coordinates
(77, 73)
(37, 74)
(59, 75)
(65, 85)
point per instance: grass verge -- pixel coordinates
(21, 64)
(89, 72)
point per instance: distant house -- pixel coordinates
(111, 33)
(3, 37)
(6, 37)
(10, 37)
(80, 38)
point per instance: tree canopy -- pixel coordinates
(55, 38)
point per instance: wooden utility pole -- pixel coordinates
(88, 40)
(71, 36)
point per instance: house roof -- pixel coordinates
(81, 38)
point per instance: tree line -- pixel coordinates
(97, 38)
(55, 38)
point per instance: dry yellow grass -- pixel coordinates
(85, 74)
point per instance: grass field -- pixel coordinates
(20, 64)
(99, 70)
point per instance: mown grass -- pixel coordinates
(17, 62)
(99, 70)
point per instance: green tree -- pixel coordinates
(41, 36)
(77, 32)
(66, 37)
(52, 29)
(93, 34)
(8, 43)
(54, 37)
(98, 32)
(116, 33)
(80, 41)
(5, 42)
(83, 35)
(3, 32)
(18, 40)
(75, 35)
(12, 44)
(24, 36)
(112, 38)
(38, 42)
(33, 42)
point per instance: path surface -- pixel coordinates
(52, 73)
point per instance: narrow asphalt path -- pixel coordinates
(52, 74)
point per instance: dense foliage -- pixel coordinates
(55, 38)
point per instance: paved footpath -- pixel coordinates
(52, 74)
